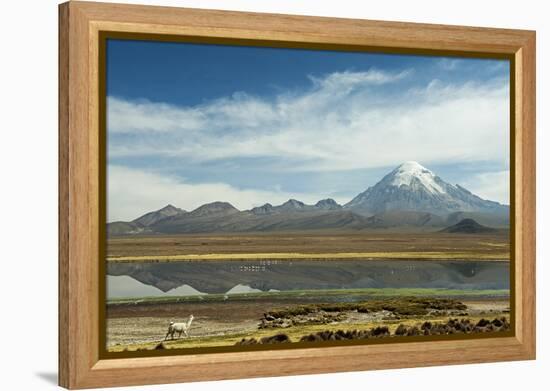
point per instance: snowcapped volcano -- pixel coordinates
(412, 187)
(410, 172)
(409, 196)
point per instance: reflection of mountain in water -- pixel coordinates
(222, 276)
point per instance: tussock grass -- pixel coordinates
(452, 326)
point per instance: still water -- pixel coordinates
(215, 277)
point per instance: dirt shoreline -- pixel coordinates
(363, 256)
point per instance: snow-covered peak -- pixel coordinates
(411, 165)
(406, 172)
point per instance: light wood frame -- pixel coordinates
(80, 365)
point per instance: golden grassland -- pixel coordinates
(309, 246)
(426, 255)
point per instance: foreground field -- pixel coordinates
(434, 245)
(210, 263)
(142, 325)
(294, 334)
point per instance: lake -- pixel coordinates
(227, 277)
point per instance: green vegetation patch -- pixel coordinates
(403, 306)
(348, 293)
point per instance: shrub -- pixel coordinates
(401, 330)
(247, 341)
(277, 338)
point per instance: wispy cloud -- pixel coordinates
(337, 81)
(342, 122)
(149, 117)
(492, 186)
(345, 120)
(450, 64)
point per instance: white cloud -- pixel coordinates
(341, 80)
(145, 116)
(132, 193)
(343, 121)
(494, 186)
(450, 64)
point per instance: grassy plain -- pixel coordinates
(317, 245)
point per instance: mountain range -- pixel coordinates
(408, 196)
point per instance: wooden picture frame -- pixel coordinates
(80, 189)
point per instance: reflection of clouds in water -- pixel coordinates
(184, 290)
(239, 288)
(126, 286)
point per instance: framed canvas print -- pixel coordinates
(247, 195)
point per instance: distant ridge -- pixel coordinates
(468, 226)
(328, 204)
(142, 223)
(410, 197)
(214, 209)
(154, 217)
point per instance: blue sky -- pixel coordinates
(190, 124)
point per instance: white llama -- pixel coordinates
(179, 328)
